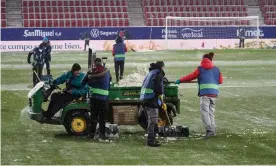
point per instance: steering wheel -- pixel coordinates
(52, 85)
(166, 81)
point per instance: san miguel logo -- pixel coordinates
(191, 33)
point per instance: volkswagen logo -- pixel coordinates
(95, 33)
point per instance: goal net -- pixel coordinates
(212, 32)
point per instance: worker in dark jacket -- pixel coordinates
(119, 50)
(242, 37)
(151, 97)
(86, 39)
(74, 89)
(98, 80)
(46, 46)
(38, 62)
(209, 77)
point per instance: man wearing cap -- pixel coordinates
(209, 77)
(151, 97)
(98, 80)
(46, 46)
(119, 50)
(74, 89)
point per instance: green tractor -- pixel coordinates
(123, 107)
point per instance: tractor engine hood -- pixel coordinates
(35, 89)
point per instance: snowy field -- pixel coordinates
(245, 114)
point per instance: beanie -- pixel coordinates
(97, 61)
(45, 40)
(160, 64)
(76, 67)
(209, 56)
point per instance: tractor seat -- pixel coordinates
(79, 100)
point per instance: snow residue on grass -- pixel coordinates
(15, 87)
(134, 79)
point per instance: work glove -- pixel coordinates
(177, 81)
(164, 106)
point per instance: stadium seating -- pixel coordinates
(74, 13)
(3, 13)
(268, 8)
(155, 11)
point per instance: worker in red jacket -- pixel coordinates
(209, 78)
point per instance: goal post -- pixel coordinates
(212, 32)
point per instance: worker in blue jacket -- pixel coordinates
(46, 46)
(151, 97)
(74, 89)
(37, 63)
(98, 80)
(119, 50)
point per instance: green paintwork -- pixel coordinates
(121, 93)
(73, 106)
(37, 101)
(117, 95)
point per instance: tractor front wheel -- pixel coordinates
(77, 123)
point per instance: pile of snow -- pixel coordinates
(134, 79)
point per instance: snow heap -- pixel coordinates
(136, 78)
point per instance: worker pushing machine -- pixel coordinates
(47, 48)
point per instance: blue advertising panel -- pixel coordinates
(136, 33)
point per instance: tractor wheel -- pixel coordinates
(77, 123)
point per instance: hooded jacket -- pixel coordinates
(98, 80)
(206, 64)
(158, 88)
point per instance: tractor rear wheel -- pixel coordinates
(77, 123)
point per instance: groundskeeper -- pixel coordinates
(74, 89)
(37, 64)
(98, 80)
(86, 39)
(209, 77)
(151, 98)
(46, 46)
(118, 52)
(241, 37)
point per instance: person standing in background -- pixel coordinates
(86, 40)
(242, 37)
(118, 52)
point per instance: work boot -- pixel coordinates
(90, 136)
(210, 134)
(121, 77)
(153, 144)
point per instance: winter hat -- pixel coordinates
(97, 61)
(76, 67)
(209, 56)
(45, 40)
(160, 64)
